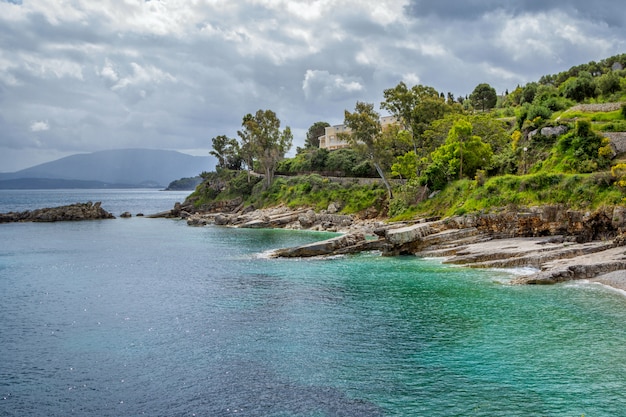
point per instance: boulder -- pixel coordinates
(554, 131)
(325, 247)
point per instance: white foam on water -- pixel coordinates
(521, 271)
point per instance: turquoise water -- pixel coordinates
(152, 317)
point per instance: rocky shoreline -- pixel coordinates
(552, 243)
(72, 212)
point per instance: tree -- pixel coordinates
(484, 97)
(461, 155)
(609, 83)
(264, 142)
(405, 166)
(227, 152)
(415, 108)
(247, 150)
(528, 92)
(580, 87)
(366, 134)
(313, 134)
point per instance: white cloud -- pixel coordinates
(411, 79)
(39, 126)
(322, 85)
(50, 67)
(173, 73)
(109, 73)
(142, 77)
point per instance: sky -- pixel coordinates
(81, 76)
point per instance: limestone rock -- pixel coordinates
(554, 131)
(72, 212)
(326, 247)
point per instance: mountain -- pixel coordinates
(110, 169)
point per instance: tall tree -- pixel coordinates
(415, 108)
(227, 152)
(265, 142)
(247, 150)
(316, 130)
(366, 134)
(484, 97)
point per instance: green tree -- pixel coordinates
(579, 88)
(366, 134)
(247, 148)
(265, 142)
(415, 108)
(529, 92)
(609, 83)
(227, 152)
(316, 130)
(461, 155)
(484, 97)
(405, 166)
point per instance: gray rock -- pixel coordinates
(326, 247)
(72, 212)
(554, 131)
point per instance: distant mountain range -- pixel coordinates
(122, 168)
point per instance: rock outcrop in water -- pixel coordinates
(72, 212)
(557, 243)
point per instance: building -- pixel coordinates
(332, 139)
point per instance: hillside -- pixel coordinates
(114, 168)
(560, 141)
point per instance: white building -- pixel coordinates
(331, 139)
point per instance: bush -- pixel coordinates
(364, 169)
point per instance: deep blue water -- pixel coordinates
(151, 317)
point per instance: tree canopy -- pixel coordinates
(264, 142)
(484, 97)
(366, 134)
(461, 155)
(316, 130)
(227, 152)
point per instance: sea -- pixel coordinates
(151, 317)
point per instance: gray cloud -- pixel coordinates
(87, 76)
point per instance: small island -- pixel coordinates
(72, 212)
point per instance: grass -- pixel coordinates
(312, 191)
(575, 191)
(593, 116)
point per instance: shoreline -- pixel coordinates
(615, 280)
(489, 241)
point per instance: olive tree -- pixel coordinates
(264, 142)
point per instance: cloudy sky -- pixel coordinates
(82, 75)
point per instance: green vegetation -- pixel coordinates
(316, 191)
(576, 191)
(444, 156)
(184, 184)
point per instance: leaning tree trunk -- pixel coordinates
(382, 177)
